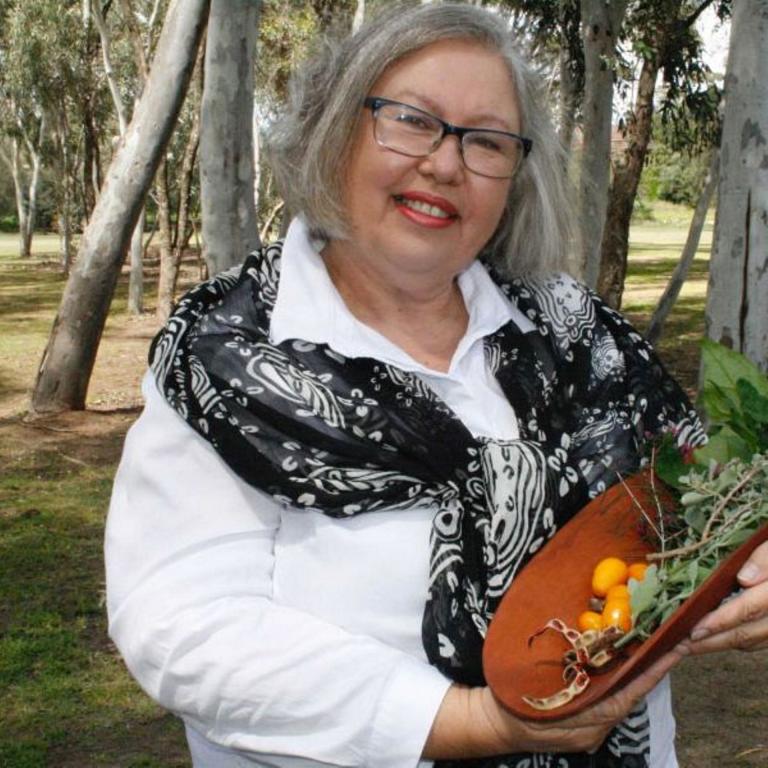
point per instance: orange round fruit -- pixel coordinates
(618, 592)
(608, 573)
(590, 620)
(637, 571)
(617, 613)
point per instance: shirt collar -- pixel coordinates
(309, 308)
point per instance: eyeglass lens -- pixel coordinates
(415, 133)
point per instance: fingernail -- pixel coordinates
(700, 633)
(749, 573)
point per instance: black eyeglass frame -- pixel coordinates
(374, 103)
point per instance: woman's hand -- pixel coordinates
(473, 723)
(742, 621)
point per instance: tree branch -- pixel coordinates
(117, 99)
(691, 19)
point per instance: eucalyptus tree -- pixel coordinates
(227, 179)
(737, 310)
(663, 36)
(601, 28)
(174, 193)
(680, 273)
(67, 363)
(41, 78)
(131, 27)
(552, 30)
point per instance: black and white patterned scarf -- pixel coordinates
(347, 436)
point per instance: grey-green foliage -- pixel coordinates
(723, 487)
(722, 507)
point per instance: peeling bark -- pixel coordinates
(228, 211)
(601, 22)
(737, 309)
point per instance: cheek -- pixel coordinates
(488, 210)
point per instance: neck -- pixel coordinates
(423, 314)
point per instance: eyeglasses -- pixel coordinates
(416, 133)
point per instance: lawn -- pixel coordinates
(65, 697)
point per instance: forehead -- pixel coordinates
(453, 78)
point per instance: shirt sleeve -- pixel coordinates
(189, 555)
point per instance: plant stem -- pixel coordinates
(721, 506)
(637, 503)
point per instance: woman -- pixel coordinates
(384, 431)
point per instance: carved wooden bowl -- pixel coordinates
(557, 584)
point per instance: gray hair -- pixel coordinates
(308, 144)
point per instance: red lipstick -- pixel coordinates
(424, 218)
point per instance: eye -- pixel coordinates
(487, 141)
(415, 121)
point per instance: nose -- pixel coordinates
(445, 163)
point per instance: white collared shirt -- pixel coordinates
(271, 630)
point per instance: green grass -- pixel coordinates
(65, 697)
(655, 248)
(43, 243)
(30, 292)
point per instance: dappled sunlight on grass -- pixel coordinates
(655, 249)
(30, 292)
(66, 697)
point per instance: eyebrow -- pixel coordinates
(483, 120)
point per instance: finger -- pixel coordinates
(646, 681)
(616, 707)
(752, 636)
(755, 570)
(735, 618)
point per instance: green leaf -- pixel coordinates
(643, 595)
(670, 465)
(754, 404)
(723, 446)
(696, 517)
(722, 369)
(720, 403)
(738, 537)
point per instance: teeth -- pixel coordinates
(422, 207)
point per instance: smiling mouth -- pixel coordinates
(423, 207)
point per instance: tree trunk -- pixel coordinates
(626, 179)
(179, 234)
(14, 164)
(737, 310)
(34, 150)
(90, 175)
(675, 284)
(109, 72)
(568, 100)
(359, 16)
(165, 279)
(65, 232)
(569, 87)
(601, 22)
(183, 230)
(69, 356)
(65, 194)
(230, 230)
(136, 276)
